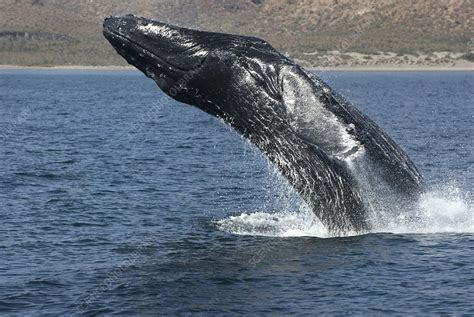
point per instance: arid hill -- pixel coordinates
(316, 32)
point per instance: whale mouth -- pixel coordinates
(140, 56)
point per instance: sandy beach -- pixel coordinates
(460, 65)
(71, 67)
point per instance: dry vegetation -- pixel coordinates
(315, 32)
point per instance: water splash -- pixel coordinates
(444, 210)
(275, 224)
(441, 210)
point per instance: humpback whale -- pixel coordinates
(338, 160)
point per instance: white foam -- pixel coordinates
(438, 211)
(275, 224)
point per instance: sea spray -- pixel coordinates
(445, 210)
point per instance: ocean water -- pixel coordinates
(115, 201)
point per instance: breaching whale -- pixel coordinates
(338, 160)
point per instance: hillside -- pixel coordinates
(315, 32)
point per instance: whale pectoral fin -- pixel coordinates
(393, 164)
(323, 117)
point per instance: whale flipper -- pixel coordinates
(325, 118)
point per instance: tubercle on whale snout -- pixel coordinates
(339, 185)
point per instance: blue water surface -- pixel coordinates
(110, 193)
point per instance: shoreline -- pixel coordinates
(342, 68)
(68, 67)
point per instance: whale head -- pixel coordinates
(193, 66)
